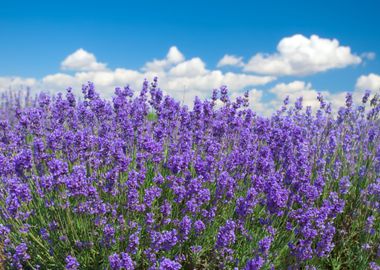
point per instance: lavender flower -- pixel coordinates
(71, 263)
(167, 264)
(226, 235)
(142, 181)
(255, 264)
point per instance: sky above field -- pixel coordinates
(270, 48)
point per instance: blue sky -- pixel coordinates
(36, 36)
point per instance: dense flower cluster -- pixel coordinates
(143, 182)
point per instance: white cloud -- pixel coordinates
(82, 60)
(297, 89)
(191, 68)
(230, 60)
(185, 78)
(105, 81)
(15, 83)
(59, 80)
(370, 82)
(299, 55)
(256, 101)
(181, 78)
(188, 87)
(174, 56)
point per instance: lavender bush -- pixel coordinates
(144, 182)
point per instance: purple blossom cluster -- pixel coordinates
(144, 182)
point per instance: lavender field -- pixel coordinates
(144, 182)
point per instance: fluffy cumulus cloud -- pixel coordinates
(299, 55)
(230, 60)
(11, 83)
(184, 78)
(256, 101)
(180, 77)
(297, 89)
(82, 60)
(370, 82)
(293, 90)
(174, 56)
